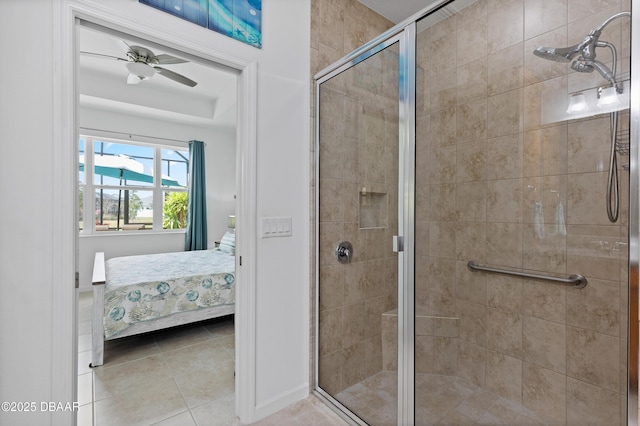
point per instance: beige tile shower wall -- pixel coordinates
(496, 186)
(358, 150)
(349, 298)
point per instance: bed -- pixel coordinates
(138, 294)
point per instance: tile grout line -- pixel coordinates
(173, 376)
(186, 404)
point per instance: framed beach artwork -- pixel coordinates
(238, 19)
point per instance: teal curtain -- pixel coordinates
(196, 237)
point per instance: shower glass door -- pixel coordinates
(492, 138)
(511, 177)
(357, 217)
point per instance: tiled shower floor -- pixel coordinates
(440, 400)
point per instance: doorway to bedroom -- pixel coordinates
(151, 121)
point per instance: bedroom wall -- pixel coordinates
(220, 154)
(35, 331)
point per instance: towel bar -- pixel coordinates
(576, 280)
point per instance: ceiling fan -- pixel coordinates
(142, 64)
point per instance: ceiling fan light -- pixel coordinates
(139, 71)
(133, 79)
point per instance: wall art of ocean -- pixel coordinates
(238, 19)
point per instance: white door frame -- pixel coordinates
(64, 357)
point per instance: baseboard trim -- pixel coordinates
(280, 402)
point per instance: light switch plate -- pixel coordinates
(276, 227)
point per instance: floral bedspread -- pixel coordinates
(141, 288)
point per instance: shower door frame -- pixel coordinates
(634, 228)
(405, 33)
(365, 52)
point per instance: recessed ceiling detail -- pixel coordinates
(191, 92)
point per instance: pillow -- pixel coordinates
(228, 243)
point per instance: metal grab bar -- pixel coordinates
(577, 280)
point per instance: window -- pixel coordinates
(118, 190)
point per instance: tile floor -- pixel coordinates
(440, 400)
(182, 377)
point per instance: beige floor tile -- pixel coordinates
(205, 385)
(220, 327)
(229, 343)
(475, 405)
(85, 415)
(216, 413)
(181, 377)
(182, 419)
(84, 342)
(85, 389)
(156, 401)
(442, 400)
(84, 359)
(309, 411)
(382, 417)
(505, 412)
(128, 349)
(452, 418)
(120, 379)
(187, 335)
(360, 399)
(202, 356)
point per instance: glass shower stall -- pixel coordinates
(476, 218)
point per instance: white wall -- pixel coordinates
(34, 367)
(221, 168)
(26, 125)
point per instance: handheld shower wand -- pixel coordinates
(584, 60)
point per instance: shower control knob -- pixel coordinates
(344, 251)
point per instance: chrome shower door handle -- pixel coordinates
(344, 251)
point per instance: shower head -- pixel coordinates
(586, 49)
(557, 54)
(585, 65)
(589, 65)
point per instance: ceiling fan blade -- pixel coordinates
(100, 55)
(168, 59)
(124, 46)
(175, 76)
